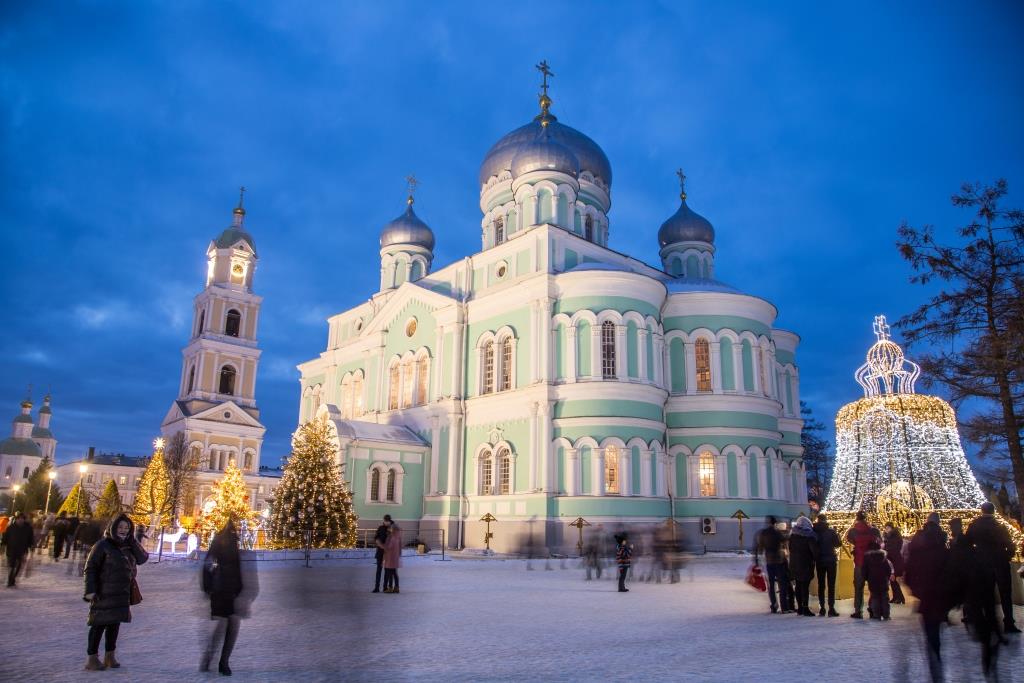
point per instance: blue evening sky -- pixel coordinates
(808, 132)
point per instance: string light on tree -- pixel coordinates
(229, 500)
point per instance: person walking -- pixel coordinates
(380, 539)
(770, 542)
(623, 558)
(43, 540)
(18, 542)
(860, 536)
(69, 542)
(229, 596)
(392, 558)
(926, 577)
(877, 572)
(993, 552)
(825, 565)
(111, 589)
(803, 551)
(892, 543)
(60, 534)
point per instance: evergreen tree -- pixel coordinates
(152, 504)
(313, 495)
(818, 458)
(109, 504)
(76, 503)
(230, 501)
(35, 489)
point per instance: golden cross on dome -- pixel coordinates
(241, 196)
(682, 183)
(412, 183)
(880, 328)
(546, 71)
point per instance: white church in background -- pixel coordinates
(29, 443)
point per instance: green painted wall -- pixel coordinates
(770, 484)
(748, 366)
(677, 361)
(519, 321)
(571, 259)
(688, 323)
(607, 408)
(728, 372)
(755, 483)
(721, 418)
(732, 474)
(412, 490)
(632, 360)
(448, 370)
(649, 351)
(583, 365)
(599, 433)
(587, 480)
(597, 304)
(785, 357)
(523, 262)
(634, 468)
(682, 481)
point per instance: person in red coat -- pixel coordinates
(861, 535)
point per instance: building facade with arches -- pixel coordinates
(548, 376)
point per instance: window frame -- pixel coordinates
(612, 472)
(237, 319)
(608, 366)
(702, 365)
(707, 475)
(227, 370)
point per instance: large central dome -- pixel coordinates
(590, 156)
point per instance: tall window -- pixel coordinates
(422, 380)
(706, 472)
(611, 470)
(375, 485)
(766, 388)
(506, 364)
(357, 394)
(232, 323)
(393, 387)
(191, 379)
(504, 472)
(248, 461)
(408, 375)
(588, 228)
(202, 321)
(227, 380)
(486, 476)
(499, 230)
(608, 349)
(702, 352)
(390, 494)
(488, 367)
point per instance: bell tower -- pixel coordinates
(216, 401)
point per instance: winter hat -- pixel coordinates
(933, 518)
(802, 526)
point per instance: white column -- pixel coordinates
(691, 368)
(762, 477)
(670, 473)
(453, 421)
(534, 342)
(659, 360)
(534, 449)
(621, 364)
(737, 367)
(458, 361)
(743, 476)
(435, 451)
(554, 208)
(641, 354)
(721, 476)
(548, 464)
(438, 361)
(693, 472)
(572, 471)
(716, 367)
(626, 472)
(597, 471)
(546, 357)
(570, 353)
(662, 470)
(595, 351)
(756, 363)
(645, 472)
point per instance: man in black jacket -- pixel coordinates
(771, 542)
(993, 552)
(379, 539)
(73, 522)
(825, 565)
(60, 534)
(18, 539)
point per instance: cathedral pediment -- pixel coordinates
(409, 293)
(227, 412)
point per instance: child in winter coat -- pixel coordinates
(877, 573)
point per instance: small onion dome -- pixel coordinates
(590, 157)
(235, 232)
(26, 419)
(544, 153)
(685, 225)
(41, 433)
(16, 446)
(407, 229)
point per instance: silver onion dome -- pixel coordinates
(587, 152)
(407, 229)
(685, 225)
(544, 153)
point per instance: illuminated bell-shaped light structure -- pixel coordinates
(898, 453)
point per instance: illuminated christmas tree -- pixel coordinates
(152, 504)
(75, 503)
(313, 496)
(230, 500)
(110, 501)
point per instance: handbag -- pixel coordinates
(136, 597)
(755, 578)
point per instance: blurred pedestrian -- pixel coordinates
(60, 534)
(592, 559)
(18, 541)
(87, 535)
(43, 541)
(803, 551)
(825, 565)
(926, 576)
(380, 538)
(994, 550)
(861, 535)
(877, 571)
(623, 558)
(893, 545)
(69, 540)
(770, 542)
(111, 589)
(392, 558)
(222, 582)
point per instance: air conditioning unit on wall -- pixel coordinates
(707, 526)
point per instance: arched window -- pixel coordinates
(486, 475)
(390, 496)
(608, 349)
(504, 472)
(488, 367)
(408, 375)
(26, 472)
(227, 380)
(506, 365)
(706, 472)
(357, 395)
(422, 380)
(232, 323)
(195, 456)
(191, 379)
(588, 228)
(611, 470)
(702, 353)
(375, 485)
(499, 230)
(202, 321)
(248, 461)
(393, 378)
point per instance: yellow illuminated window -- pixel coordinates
(611, 470)
(702, 353)
(706, 472)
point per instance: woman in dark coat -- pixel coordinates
(803, 551)
(111, 589)
(926, 572)
(893, 546)
(222, 581)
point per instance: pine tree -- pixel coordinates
(313, 495)
(230, 501)
(36, 488)
(76, 504)
(110, 502)
(152, 504)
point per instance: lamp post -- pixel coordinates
(51, 475)
(81, 490)
(14, 500)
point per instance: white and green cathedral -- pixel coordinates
(549, 377)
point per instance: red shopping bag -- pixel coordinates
(755, 578)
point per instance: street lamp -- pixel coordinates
(51, 475)
(14, 500)
(82, 469)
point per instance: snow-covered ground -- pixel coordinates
(474, 619)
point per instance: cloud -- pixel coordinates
(35, 356)
(100, 316)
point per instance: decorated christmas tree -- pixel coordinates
(110, 501)
(152, 504)
(313, 497)
(75, 503)
(230, 500)
(39, 485)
